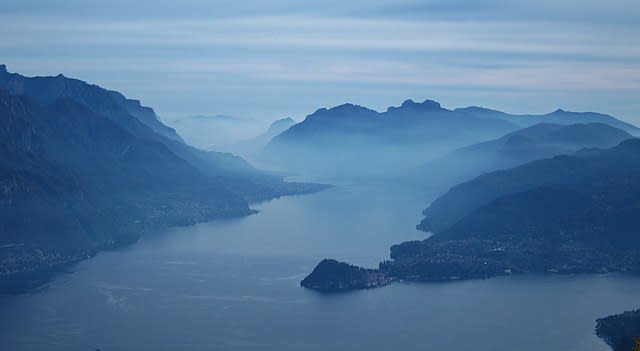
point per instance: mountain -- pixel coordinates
(573, 213)
(531, 143)
(582, 167)
(79, 174)
(558, 116)
(356, 141)
(353, 138)
(567, 214)
(331, 275)
(138, 120)
(279, 126)
(46, 90)
(621, 331)
(251, 148)
(94, 160)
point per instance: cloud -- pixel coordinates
(455, 47)
(325, 34)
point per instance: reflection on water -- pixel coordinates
(233, 285)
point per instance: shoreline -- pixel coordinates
(26, 280)
(351, 278)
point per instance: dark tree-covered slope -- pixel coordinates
(568, 214)
(621, 331)
(585, 167)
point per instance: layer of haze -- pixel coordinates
(270, 59)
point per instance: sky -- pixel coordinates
(272, 59)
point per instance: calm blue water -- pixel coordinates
(233, 285)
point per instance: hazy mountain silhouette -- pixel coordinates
(251, 148)
(558, 116)
(279, 126)
(217, 131)
(531, 143)
(354, 140)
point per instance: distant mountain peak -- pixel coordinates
(348, 106)
(431, 104)
(3, 68)
(280, 125)
(340, 111)
(409, 104)
(286, 119)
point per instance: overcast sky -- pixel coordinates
(270, 59)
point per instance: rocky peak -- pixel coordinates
(410, 105)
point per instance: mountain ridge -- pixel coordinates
(76, 178)
(558, 116)
(400, 138)
(538, 141)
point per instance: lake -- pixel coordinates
(234, 285)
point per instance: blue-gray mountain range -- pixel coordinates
(356, 141)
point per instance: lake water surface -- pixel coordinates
(233, 285)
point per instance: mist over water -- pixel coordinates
(217, 131)
(233, 285)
